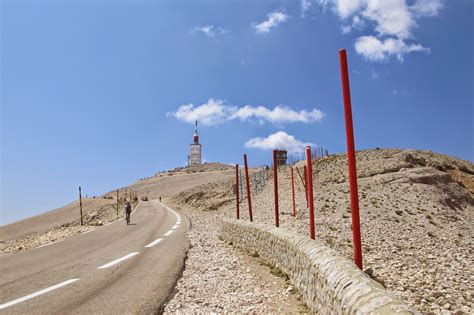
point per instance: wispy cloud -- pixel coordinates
(278, 140)
(279, 114)
(426, 7)
(274, 19)
(305, 6)
(210, 30)
(393, 22)
(374, 49)
(216, 112)
(373, 74)
(356, 24)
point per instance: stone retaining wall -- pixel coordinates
(329, 283)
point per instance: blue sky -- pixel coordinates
(97, 93)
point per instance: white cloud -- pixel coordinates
(274, 18)
(374, 49)
(279, 114)
(278, 140)
(210, 30)
(391, 17)
(346, 8)
(426, 7)
(393, 22)
(215, 112)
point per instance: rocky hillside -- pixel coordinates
(417, 219)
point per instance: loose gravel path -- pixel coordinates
(221, 279)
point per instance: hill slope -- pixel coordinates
(417, 219)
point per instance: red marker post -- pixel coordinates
(293, 191)
(351, 159)
(237, 209)
(305, 174)
(275, 186)
(309, 184)
(248, 187)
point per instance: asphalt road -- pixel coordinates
(113, 269)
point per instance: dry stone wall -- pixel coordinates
(329, 282)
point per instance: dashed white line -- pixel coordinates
(174, 227)
(168, 233)
(154, 242)
(38, 293)
(112, 263)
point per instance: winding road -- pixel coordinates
(116, 268)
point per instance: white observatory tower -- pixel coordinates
(194, 157)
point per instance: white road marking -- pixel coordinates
(44, 245)
(38, 293)
(154, 242)
(174, 227)
(177, 215)
(168, 233)
(134, 210)
(112, 263)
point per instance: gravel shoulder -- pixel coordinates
(221, 279)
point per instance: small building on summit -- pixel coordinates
(281, 157)
(194, 157)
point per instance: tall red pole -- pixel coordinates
(351, 159)
(293, 191)
(237, 209)
(275, 186)
(309, 184)
(248, 187)
(305, 174)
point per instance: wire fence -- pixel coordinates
(316, 153)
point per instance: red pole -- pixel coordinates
(248, 187)
(305, 174)
(275, 186)
(309, 184)
(237, 191)
(351, 159)
(293, 191)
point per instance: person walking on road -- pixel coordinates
(128, 210)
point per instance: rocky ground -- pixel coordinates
(417, 218)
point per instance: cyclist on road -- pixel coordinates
(128, 210)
